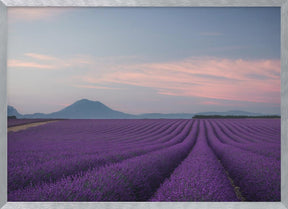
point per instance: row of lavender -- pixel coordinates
(140, 160)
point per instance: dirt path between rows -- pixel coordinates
(29, 125)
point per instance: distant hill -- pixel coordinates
(11, 111)
(231, 112)
(190, 115)
(87, 109)
(84, 109)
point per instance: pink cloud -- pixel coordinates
(206, 77)
(210, 103)
(32, 14)
(43, 61)
(40, 56)
(94, 87)
(22, 64)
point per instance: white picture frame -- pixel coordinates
(5, 4)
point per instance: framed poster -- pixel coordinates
(143, 104)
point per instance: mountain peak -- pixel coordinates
(87, 104)
(85, 108)
(86, 101)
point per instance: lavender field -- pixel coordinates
(146, 160)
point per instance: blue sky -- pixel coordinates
(140, 60)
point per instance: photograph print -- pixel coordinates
(144, 104)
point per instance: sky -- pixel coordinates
(144, 60)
